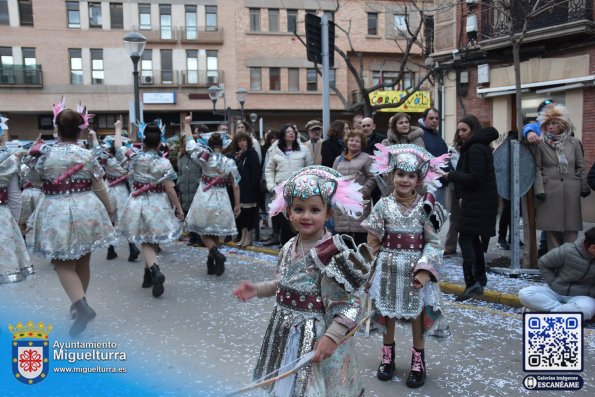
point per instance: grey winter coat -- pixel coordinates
(414, 137)
(569, 269)
(359, 169)
(189, 174)
(561, 209)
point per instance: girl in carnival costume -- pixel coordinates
(31, 194)
(317, 275)
(211, 214)
(72, 218)
(403, 233)
(147, 217)
(117, 188)
(15, 263)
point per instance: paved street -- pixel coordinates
(198, 340)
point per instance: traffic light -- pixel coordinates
(314, 40)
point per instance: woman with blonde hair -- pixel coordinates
(559, 178)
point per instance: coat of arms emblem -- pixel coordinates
(30, 351)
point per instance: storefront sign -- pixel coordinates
(416, 103)
(159, 97)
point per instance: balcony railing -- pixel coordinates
(202, 78)
(496, 23)
(201, 35)
(164, 34)
(21, 75)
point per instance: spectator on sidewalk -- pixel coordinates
(559, 178)
(189, 174)
(314, 144)
(373, 137)
(569, 272)
(400, 131)
(433, 142)
(475, 186)
(333, 144)
(452, 202)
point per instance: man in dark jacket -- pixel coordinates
(368, 128)
(569, 272)
(433, 141)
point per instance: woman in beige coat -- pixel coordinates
(285, 157)
(559, 178)
(353, 163)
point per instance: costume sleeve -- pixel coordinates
(339, 305)
(264, 289)
(14, 197)
(232, 169)
(97, 169)
(374, 223)
(337, 330)
(431, 258)
(190, 144)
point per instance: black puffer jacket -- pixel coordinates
(475, 184)
(249, 169)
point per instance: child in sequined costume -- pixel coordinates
(15, 263)
(116, 177)
(211, 214)
(72, 219)
(316, 276)
(31, 190)
(147, 217)
(403, 233)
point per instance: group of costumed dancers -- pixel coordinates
(320, 280)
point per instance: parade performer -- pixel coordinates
(117, 189)
(15, 263)
(31, 193)
(210, 214)
(403, 233)
(317, 275)
(71, 220)
(147, 217)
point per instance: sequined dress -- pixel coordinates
(31, 188)
(15, 263)
(148, 217)
(409, 243)
(118, 193)
(70, 220)
(211, 212)
(309, 296)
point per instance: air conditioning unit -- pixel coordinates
(146, 79)
(471, 23)
(471, 2)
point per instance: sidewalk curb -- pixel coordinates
(445, 286)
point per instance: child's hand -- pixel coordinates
(245, 291)
(324, 348)
(421, 279)
(188, 119)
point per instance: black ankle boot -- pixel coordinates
(219, 260)
(158, 280)
(210, 264)
(470, 292)
(386, 370)
(147, 279)
(84, 314)
(111, 253)
(134, 252)
(417, 376)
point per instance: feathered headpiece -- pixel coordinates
(556, 112)
(161, 126)
(86, 116)
(317, 180)
(410, 158)
(57, 108)
(3, 125)
(140, 129)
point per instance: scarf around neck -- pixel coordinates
(556, 142)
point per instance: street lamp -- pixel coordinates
(253, 118)
(214, 93)
(135, 44)
(241, 95)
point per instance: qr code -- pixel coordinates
(552, 342)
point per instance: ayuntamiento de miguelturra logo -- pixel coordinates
(30, 351)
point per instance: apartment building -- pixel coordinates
(74, 48)
(557, 60)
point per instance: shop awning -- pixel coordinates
(540, 87)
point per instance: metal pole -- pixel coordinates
(326, 113)
(137, 114)
(514, 204)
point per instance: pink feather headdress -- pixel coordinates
(57, 108)
(317, 180)
(410, 158)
